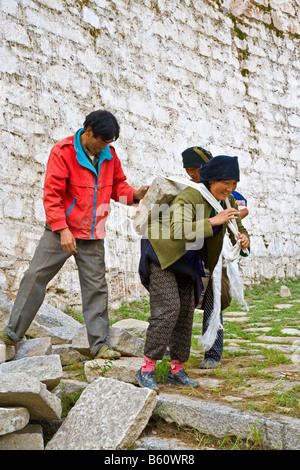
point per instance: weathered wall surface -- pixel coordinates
(222, 74)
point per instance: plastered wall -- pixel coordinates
(220, 74)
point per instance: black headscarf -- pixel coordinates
(221, 167)
(195, 157)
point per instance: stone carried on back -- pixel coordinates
(161, 191)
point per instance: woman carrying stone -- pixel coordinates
(193, 159)
(178, 243)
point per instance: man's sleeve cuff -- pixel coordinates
(58, 225)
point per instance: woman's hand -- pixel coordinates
(224, 217)
(244, 241)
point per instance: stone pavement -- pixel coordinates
(253, 395)
(258, 381)
(256, 363)
(252, 398)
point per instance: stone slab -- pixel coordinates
(33, 347)
(18, 389)
(135, 327)
(67, 354)
(123, 369)
(161, 191)
(118, 338)
(160, 443)
(219, 420)
(108, 415)
(2, 353)
(277, 339)
(46, 369)
(28, 438)
(283, 306)
(291, 331)
(52, 322)
(12, 419)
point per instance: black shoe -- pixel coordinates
(209, 363)
(181, 378)
(147, 380)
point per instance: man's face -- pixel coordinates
(92, 143)
(193, 174)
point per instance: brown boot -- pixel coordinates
(6, 339)
(106, 352)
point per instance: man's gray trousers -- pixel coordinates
(48, 259)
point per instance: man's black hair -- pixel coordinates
(103, 124)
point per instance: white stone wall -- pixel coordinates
(223, 75)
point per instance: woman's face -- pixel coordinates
(221, 189)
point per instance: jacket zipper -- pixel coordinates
(94, 206)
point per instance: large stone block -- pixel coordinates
(17, 389)
(67, 354)
(7, 352)
(46, 369)
(135, 327)
(118, 338)
(219, 420)
(108, 415)
(49, 322)
(123, 369)
(12, 419)
(33, 347)
(28, 438)
(2, 353)
(54, 323)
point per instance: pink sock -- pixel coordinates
(176, 366)
(149, 364)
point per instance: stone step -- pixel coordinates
(220, 420)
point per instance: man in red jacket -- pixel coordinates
(83, 174)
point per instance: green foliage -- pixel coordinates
(74, 313)
(68, 401)
(162, 368)
(139, 309)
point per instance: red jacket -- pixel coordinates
(75, 195)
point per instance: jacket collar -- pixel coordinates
(82, 158)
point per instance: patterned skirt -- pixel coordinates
(172, 305)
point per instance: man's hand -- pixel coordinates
(140, 193)
(68, 241)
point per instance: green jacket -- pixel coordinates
(175, 229)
